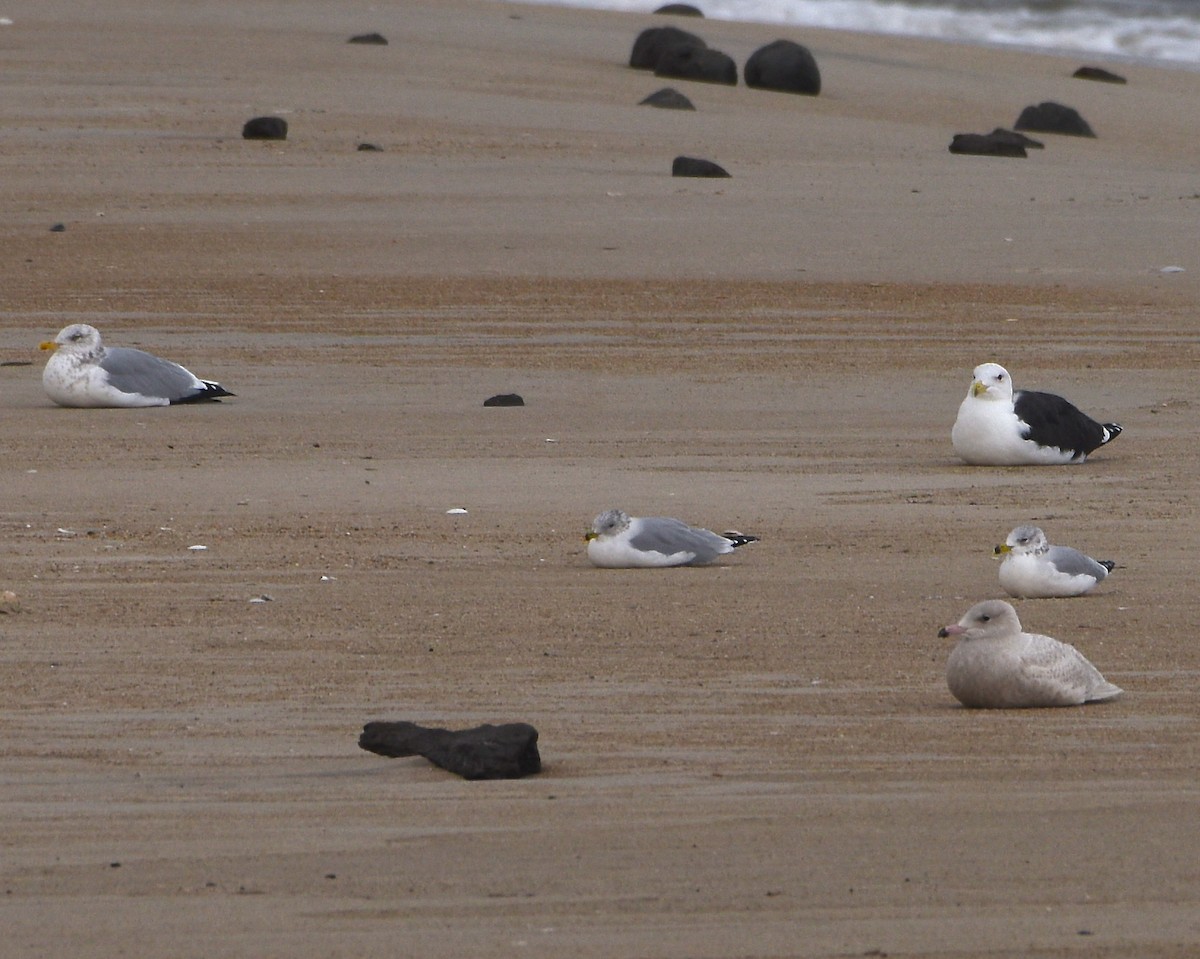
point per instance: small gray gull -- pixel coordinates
(997, 427)
(84, 372)
(997, 666)
(620, 541)
(1032, 568)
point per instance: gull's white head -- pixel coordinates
(991, 381)
(1024, 540)
(990, 619)
(76, 338)
(609, 523)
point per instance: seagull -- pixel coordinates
(997, 666)
(997, 427)
(619, 541)
(1032, 568)
(84, 372)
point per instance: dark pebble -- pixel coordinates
(984, 144)
(1097, 73)
(508, 751)
(1050, 117)
(265, 128)
(1029, 143)
(694, 166)
(504, 399)
(668, 98)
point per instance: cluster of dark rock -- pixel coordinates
(1045, 117)
(783, 65)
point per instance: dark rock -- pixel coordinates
(668, 99)
(377, 39)
(1097, 73)
(985, 144)
(783, 65)
(694, 166)
(1052, 117)
(368, 147)
(58, 228)
(484, 752)
(680, 10)
(265, 128)
(697, 63)
(504, 399)
(653, 42)
(1029, 143)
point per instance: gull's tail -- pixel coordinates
(1111, 432)
(738, 539)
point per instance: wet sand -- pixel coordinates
(759, 758)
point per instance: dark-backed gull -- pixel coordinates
(997, 427)
(618, 540)
(1032, 568)
(995, 665)
(84, 372)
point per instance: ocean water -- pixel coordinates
(1163, 31)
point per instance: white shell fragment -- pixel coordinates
(457, 511)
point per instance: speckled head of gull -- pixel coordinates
(620, 541)
(997, 427)
(84, 372)
(996, 665)
(1032, 568)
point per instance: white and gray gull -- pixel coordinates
(997, 427)
(995, 665)
(620, 541)
(84, 372)
(1034, 569)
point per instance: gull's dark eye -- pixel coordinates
(984, 618)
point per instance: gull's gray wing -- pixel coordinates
(668, 536)
(1074, 563)
(135, 371)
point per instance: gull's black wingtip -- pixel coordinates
(212, 392)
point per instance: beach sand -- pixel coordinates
(755, 759)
